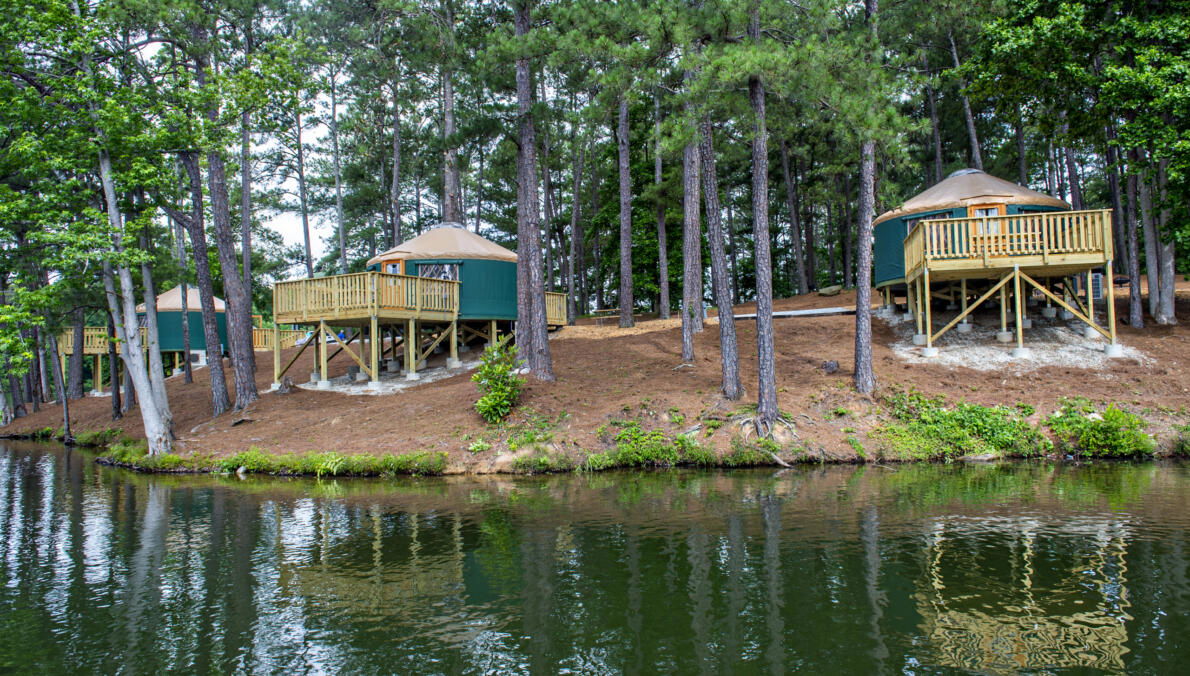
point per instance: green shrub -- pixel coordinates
(1115, 433)
(542, 463)
(926, 429)
(499, 385)
(97, 437)
(252, 460)
(1181, 447)
(637, 447)
(127, 452)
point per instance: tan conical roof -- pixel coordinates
(171, 301)
(971, 186)
(448, 240)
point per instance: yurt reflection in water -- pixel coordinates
(1028, 607)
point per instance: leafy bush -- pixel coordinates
(1181, 447)
(97, 437)
(928, 430)
(637, 447)
(1115, 433)
(499, 385)
(542, 462)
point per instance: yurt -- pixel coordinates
(965, 193)
(485, 270)
(169, 320)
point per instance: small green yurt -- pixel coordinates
(169, 320)
(485, 270)
(965, 193)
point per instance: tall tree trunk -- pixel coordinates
(865, 377)
(1166, 250)
(766, 390)
(691, 251)
(74, 387)
(972, 134)
(1022, 161)
(1076, 193)
(303, 202)
(220, 401)
(452, 186)
(575, 235)
(1152, 268)
(547, 191)
(935, 127)
(809, 226)
(154, 416)
(60, 387)
(662, 238)
(626, 300)
(180, 251)
(1115, 185)
(239, 310)
(113, 369)
(246, 199)
(795, 223)
(845, 225)
(153, 337)
(337, 162)
(394, 189)
(728, 348)
(531, 331)
(1136, 317)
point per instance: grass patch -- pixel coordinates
(97, 438)
(635, 447)
(927, 429)
(1115, 433)
(135, 454)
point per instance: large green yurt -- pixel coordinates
(485, 270)
(965, 193)
(169, 320)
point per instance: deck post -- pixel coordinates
(964, 326)
(1019, 309)
(929, 318)
(1090, 332)
(453, 362)
(323, 381)
(98, 375)
(1112, 349)
(492, 333)
(412, 343)
(276, 355)
(374, 340)
(1004, 336)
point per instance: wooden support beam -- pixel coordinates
(1004, 308)
(322, 348)
(1109, 288)
(928, 304)
(1070, 308)
(454, 344)
(343, 346)
(350, 353)
(411, 341)
(1020, 308)
(98, 375)
(426, 353)
(492, 335)
(276, 354)
(374, 336)
(1090, 295)
(971, 308)
(311, 340)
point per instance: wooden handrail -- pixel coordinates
(94, 340)
(986, 238)
(365, 293)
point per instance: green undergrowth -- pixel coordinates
(1084, 432)
(256, 461)
(1181, 445)
(97, 438)
(636, 447)
(926, 428)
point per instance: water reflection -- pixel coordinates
(983, 569)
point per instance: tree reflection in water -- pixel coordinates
(978, 568)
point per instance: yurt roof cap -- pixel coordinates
(171, 301)
(966, 187)
(446, 240)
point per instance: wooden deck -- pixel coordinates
(1050, 244)
(417, 314)
(94, 341)
(1012, 257)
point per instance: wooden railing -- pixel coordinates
(555, 308)
(262, 339)
(94, 340)
(362, 294)
(992, 240)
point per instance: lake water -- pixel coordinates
(915, 569)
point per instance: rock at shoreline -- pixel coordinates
(830, 290)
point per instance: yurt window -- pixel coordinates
(393, 268)
(985, 211)
(439, 271)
